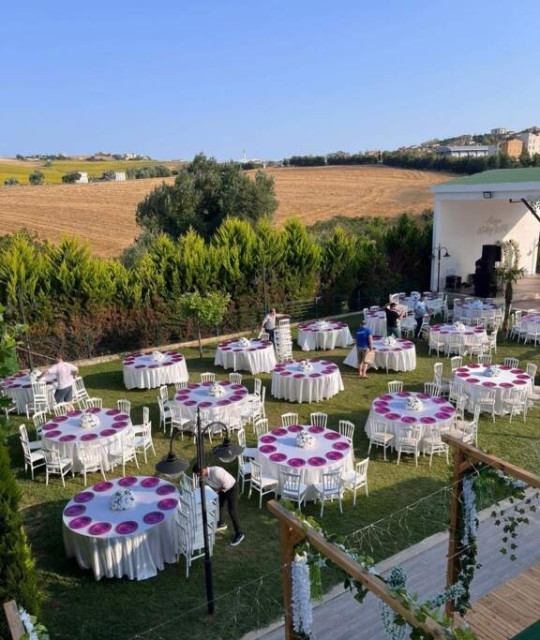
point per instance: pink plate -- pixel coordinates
(392, 416)
(463, 375)
(205, 404)
(403, 394)
(506, 385)
(127, 527)
(523, 376)
(119, 424)
(150, 482)
(167, 504)
(73, 414)
(520, 381)
(128, 481)
(298, 375)
(107, 432)
(49, 427)
(61, 419)
(74, 511)
(408, 419)
(67, 438)
(505, 367)
(53, 434)
(295, 428)
(442, 415)
(267, 448)
(89, 436)
(189, 403)
(422, 395)
(332, 435)
(386, 397)
(267, 439)
(223, 403)
(154, 517)
(103, 486)
(489, 384)
(341, 446)
(334, 455)
(316, 461)
(80, 523)
(100, 528)
(296, 462)
(165, 490)
(427, 420)
(474, 365)
(279, 432)
(516, 371)
(112, 412)
(473, 380)
(93, 410)
(381, 410)
(278, 457)
(316, 429)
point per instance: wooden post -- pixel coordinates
(287, 556)
(455, 524)
(14, 620)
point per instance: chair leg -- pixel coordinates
(398, 456)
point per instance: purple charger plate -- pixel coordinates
(295, 428)
(154, 517)
(316, 461)
(112, 412)
(103, 486)
(392, 416)
(150, 482)
(89, 436)
(341, 446)
(267, 448)
(506, 385)
(278, 457)
(69, 437)
(315, 429)
(296, 462)
(332, 435)
(427, 420)
(127, 527)
(127, 481)
(107, 432)
(100, 528)
(80, 523)
(167, 504)
(267, 439)
(334, 455)
(74, 510)
(165, 490)
(439, 400)
(408, 419)
(84, 496)
(53, 434)
(279, 432)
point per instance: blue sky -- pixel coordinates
(275, 78)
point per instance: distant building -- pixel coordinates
(512, 147)
(83, 179)
(466, 151)
(119, 176)
(531, 142)
(499, 132)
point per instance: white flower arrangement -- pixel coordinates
(413, 403)
(306, 365)
(216, 390)
(244, 342)
(157, 356)
(477, 304)
(34, 629)
(305, 440)
(302, 613)
(34, 375)
(390, 341)
(89, 421)
(122, 500)
(321, 325)
(492, 371)
(459, 326)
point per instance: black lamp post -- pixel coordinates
(173, 466)
(438, 253)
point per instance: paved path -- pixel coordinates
(340, 617)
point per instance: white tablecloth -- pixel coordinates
(291, 383)
(471, 310)
(323, 335)
(227, 408)
(258, 357)
(134, 543)
(400, 356)
(66, 436)
(391, 409)
(143, 372)
(376, 321)
(277, 450)
(473, 377)
(432, 303)
(18, 387)
(444, 331)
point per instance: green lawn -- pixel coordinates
(247, 578)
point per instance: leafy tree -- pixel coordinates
(71, 177)
(206, 311)
(36, 177)
(509, 273)
(11, 182)
(338, 262)
(204, 193)
(109, 175)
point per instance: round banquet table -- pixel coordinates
(432, 302)
(444, 331)
(376, 321)
(18, 387)
(227, 408)
(291, 383)
(64, 434)
(390, 408)
(277, 450)
(135, 542)
(474, 310)
(323, 335)
(530, 322)
(474, 378)
(141, 371)
(258, 357)
(400, 356)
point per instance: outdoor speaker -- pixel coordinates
(491, 253)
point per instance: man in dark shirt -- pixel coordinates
(364, 344)
(393, 317)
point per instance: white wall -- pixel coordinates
(464, 225)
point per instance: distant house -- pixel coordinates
(531, 142)
(466, 151)
(512, 147)
(119, 176)
(499, 132)
(83, 178)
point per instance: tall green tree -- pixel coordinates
(509, 272)
(36, 177)
(206, 311)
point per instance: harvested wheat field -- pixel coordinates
(104, 213)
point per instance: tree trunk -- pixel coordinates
(508, 297)
(200, 339)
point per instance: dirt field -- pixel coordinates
(104, 213)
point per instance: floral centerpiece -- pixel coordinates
(459, 326)
(306, 365)
(244, 342)
(413, 403)
(477, 304)
(390, 341)
(492, 371)
(305, 440)
(122, 500)
(89, 421)
(321, 325)
(216, 390)
(34, 375)
(158, 356)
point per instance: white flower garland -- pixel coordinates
(301, 595)
(470, 522)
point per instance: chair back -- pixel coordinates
(23, 433)
(39, 391)
(257, 386)
(146, 415)
(93, 403)
(394, 386)
(208, 377)
(80, 390)
(260, 426)
(24, 441)
(290, 481)
(531, 370)
(52, 458)
(511, 362)
(124, 406)
(378, 426)
(264, 336)
(409, 435)
(61, 408)
(39, 419)
(318, 419)
(90, 456)
(438, 370)
(484, 358)
(331, 482)
(180, 385)
(346, 428)
(486, 395)
(361, 469)
(164, 393)
(241, 435)
(235, 378)
(288, 419)
(432, 389)
(256, 473)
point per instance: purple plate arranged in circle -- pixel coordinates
(341, 446)
(403, 394)
(520, 381)
(103, 486)
(442, 415)
(296, 462)
(267, 448)
(167, 504)
(516, 371)
(189, 403)
(165, 490)
(505, 367)
(236, 397)
(316, 461)
(193, 385)
(69, 437)
(316, 429)
(236, 386)
(448, 409)
(150, 482)
(473, 380)
(439, 401)
(295, 428)
(49, 427)
(422, 395)
(53, 434)
(223, 403)
(89, 436)
(124, 528)
(112, 412)
(107, 432)
(100, 528)
(84, 496)
(381, 409)
(225, 383)
(334, 455)
(489, 384)
(392, 416)
(154, 517)
(474, 365)
(523, 376)
(278, 457)
(332, 435)
(298, 375)
(127, 481)
(119, 425)
(408, 419)
(506, 385)
(140, 366)
(463, 375)
(267, 439)
(74, 510)
(427, 420)
(315, 375)
(284, 373)
(93, 410)
(279, 432)
(73, 414)
(80, 523)
(384, 349)
(462, 369)
(205, 404)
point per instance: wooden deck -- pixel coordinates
(506, 611)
